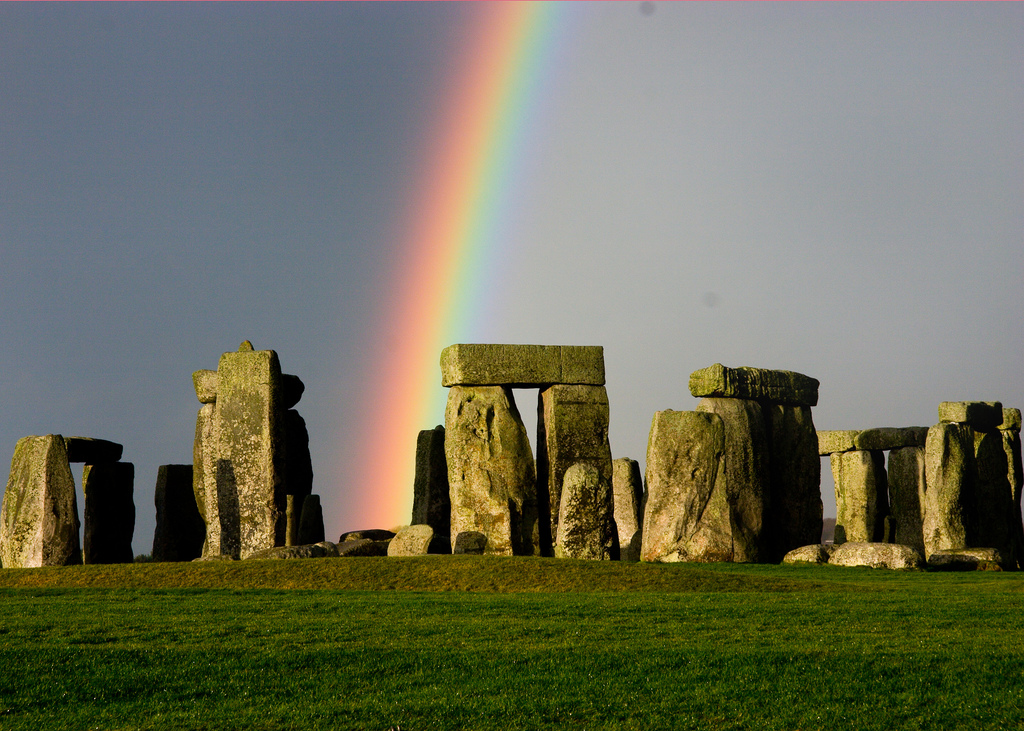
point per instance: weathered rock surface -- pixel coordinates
(891, 437)
(992, 522)
(628, 500)
(491, 471)
(311, 522)
(39, 518)
(521, 365)
(966, 559)
(205, 384)
(470, 542)
(431, 501)
(759, 384)
(1015, 477)
(572, 427)
(323, 549)
(1011, 420)
(831, 442)
(746, 473)
(293, 516)
(687, 514)
(251, 448)
(587, 527)
(815, 553)
(906, 481)
(373, 534)
(950, 480)
(92, 451)
(180, 530)
(861, 496)
(363, 547)
(877, 556)
(298, 464)
(109, 524)
(214, 557)
(414, 540)
(795, 508)
(982, 415)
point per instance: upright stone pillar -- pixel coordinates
(795, 479)
(250, 454)
(687, 517)
(906, 481)
(950, 479)
(39, 518)
(572, 427)
(431, 501)
(991, 525)
(587, 529)
(298, 464)
(311, 523)
(746, 472)
(628, 499)
(180, 530)
(108, 488)
(491, 471)
(1010, 432)
(861, 496)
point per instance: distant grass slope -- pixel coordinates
(492, 643)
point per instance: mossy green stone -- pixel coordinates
(861, 504)
(1011, 420)
(905, 477)
(888, 437)
(481, 364)
(982, 415)
(587, 528)
(831, 442)
(759, 384)
(950, 477)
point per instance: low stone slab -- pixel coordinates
(470, 542)
(835, 442)
(982, 415)
(966, 559)
(1011, 420)
(477, 364)
(816, 553)
(363, 547)
(877, 556)
(413, 540)
(373, 534)
(760, 384)
(92, 451)
(324, 549)
(205, 384)
(888, 437)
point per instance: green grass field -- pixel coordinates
(508, 643)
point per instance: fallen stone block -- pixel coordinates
(831, 442)
(816, 553)
(982, 415)
(180, 530)
(470, 542)
(373, 534)
(587, 527)
(414, 540)
(363, 547)
(109, 524)
(431, 497)
(92, 451)
(323, 549)
(759, 384)
(479, 364)
(885, 438)
(966, 559)
(877, 556)
(39, 518)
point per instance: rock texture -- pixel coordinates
(491, 471)
(363, 547)
(413, 540)
(759, 384)
(470, 542)
(628, 503)
(950, 480)
(746, 473)
(877, 556)
(886, 438)
(39, 518)
(830, 442)
(322, 549)
(521, 365)
(966, 559)
(980, 415)
(180, 530)
(815, 553)
(906, 481)
(687, 516)
(795, 508)
(431, 501)
(587, 527)
(572, 426)
(373, 534)
(861, 496)
(109, 520)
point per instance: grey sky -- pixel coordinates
(829, 188)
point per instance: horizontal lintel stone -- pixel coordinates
(92, 451)
(888, 437)
(761, 384)
(480, 364)
(833, 442)
(1011, 420)
(981, 415)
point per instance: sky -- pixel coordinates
(835, 189)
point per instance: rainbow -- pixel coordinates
(450, 239)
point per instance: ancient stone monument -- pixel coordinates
(431, 502)
(108, 488)
(180, 530)
(251, 451)
(628, 498)
(495, 486)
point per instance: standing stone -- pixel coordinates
(687, 514)
(293, 509)
(572, 426)
(949, 492)
(587, 528)
(180, 530)
(109, 522)
(746, 472)
(431, 502)
(250, 454)
(221, 537)
(628, 499)
(795, 508)
(491, 471)
(1010, 433)
(39, 518)
(861, 496)
(906, 481)
(311, 524)
(298, 464)
(991, 523)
